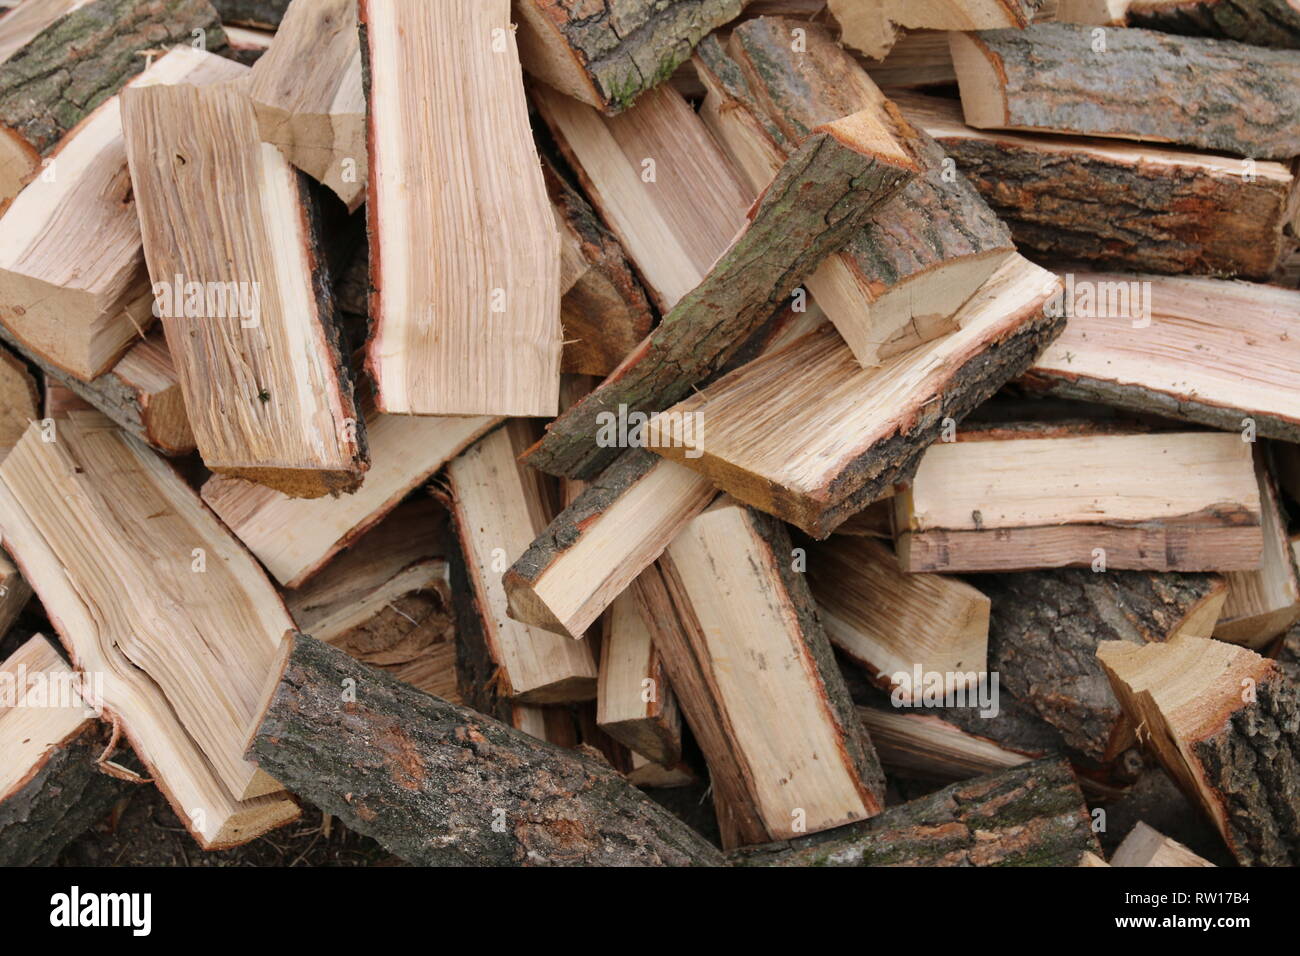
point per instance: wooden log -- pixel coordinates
(15, 592)
(19, 400)
(1274, 23)
(438, 784)
(1225, 350)
(1046, 627)
(873, 27)
(889, 622)
(247, 46)
(146, 588)
(238, 282)
(1223, 722)
(56, 70)
(931, 747)
(265, 14)
(294, 538)
(962, 512)
(1133, 207)
(1143, 85)
(73, 285)
(761, 706)
(840, 174)
(1110, 13)
(606, 57)
(1145, 846)
(788, 462)
(635, 703)
(1029, 815)
(479, 332)
(51, 788)
(306, 91)
(499, 506)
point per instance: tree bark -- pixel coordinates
(1273, 23)
(266, 14)
(1030, 815)
(438, 784)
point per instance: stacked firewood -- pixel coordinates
(879, 417)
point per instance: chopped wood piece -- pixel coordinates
(876, 520)
(1092, 859)
(247, 46)
(1046, 626)
(237, 274)
(756, 679)
(266, 14)
(1132, 206)
(1273, 23)
(634, 702)
(646, 773)
(831, 436)
(609, 55)
(146, 588)
(1223, 722)
(307, 94)
(931, 747)
(1145, 846)
(1158, 502)
(1143, 85)
(919, 58)
(1201, 350)
(864, 26)
(19, 400)
(872, 25)
(499, 506)
(889, 622)
(1030, 815)
(438, 784)
(454, 175)
(58, 65)
(15, 592)
(51, 788)
(294, 538)
(1109, 13)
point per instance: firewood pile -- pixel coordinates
(871, 425)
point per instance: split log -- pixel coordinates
(1142, 85)
(918, 59)
(929, 746)
(606, 57)
(56, 70)
(19, 400)
(1130, 206)
(294, 538)
(889, 622)
(51, 787)
(148, 589)
(15, 592)
(499, 506)
(635, 703)
(1030, 815)
(247, 46)
(1053, 502)
(241, 289)
(762, 705)
(840, 175)
(307, 94)
(1202, 350)
(1046, 627)
(476, 329)
(1145, 846)
(832, 436)
(1109, 13)
(872, 25)
(1223, 722)
(73, 285)
(438, 784)
(1273, 23)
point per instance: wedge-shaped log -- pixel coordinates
(499, 506)
(1223, 721)
(73, 285)
(1273, 23)
(757, 680)
(928, 746)
(1158, 502)
(1144, 85)
(238, 280)
(454, 175)
(294, 538)
(307, 92)
(59, 60)
(148, 590)
(1145, 846)
(1126, 205)
(634, 701)
(810, 436)
(1030, 815)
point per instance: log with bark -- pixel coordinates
(1273, 23)
(635, 703)
(19, 400)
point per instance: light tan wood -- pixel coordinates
(294, 537)
(1146, 846)
(647, 773)
(15, 592)
(918, 58)
(73, 283)
(307, 92)
(19, 400)
(932, 747)
(146, 588)
(1093, 12)
(1092, 859)
(465, 254)
(634, 702)
(499, 506)
(864, 26)
(27, 20)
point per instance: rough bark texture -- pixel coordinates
(254, 13)
(1213, 94)
(1258, 22)
(1288, 656)
(438, 784)
(1045, 627)
(818, 200)
(1030, 815)
(64, 799)
(477, 675)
